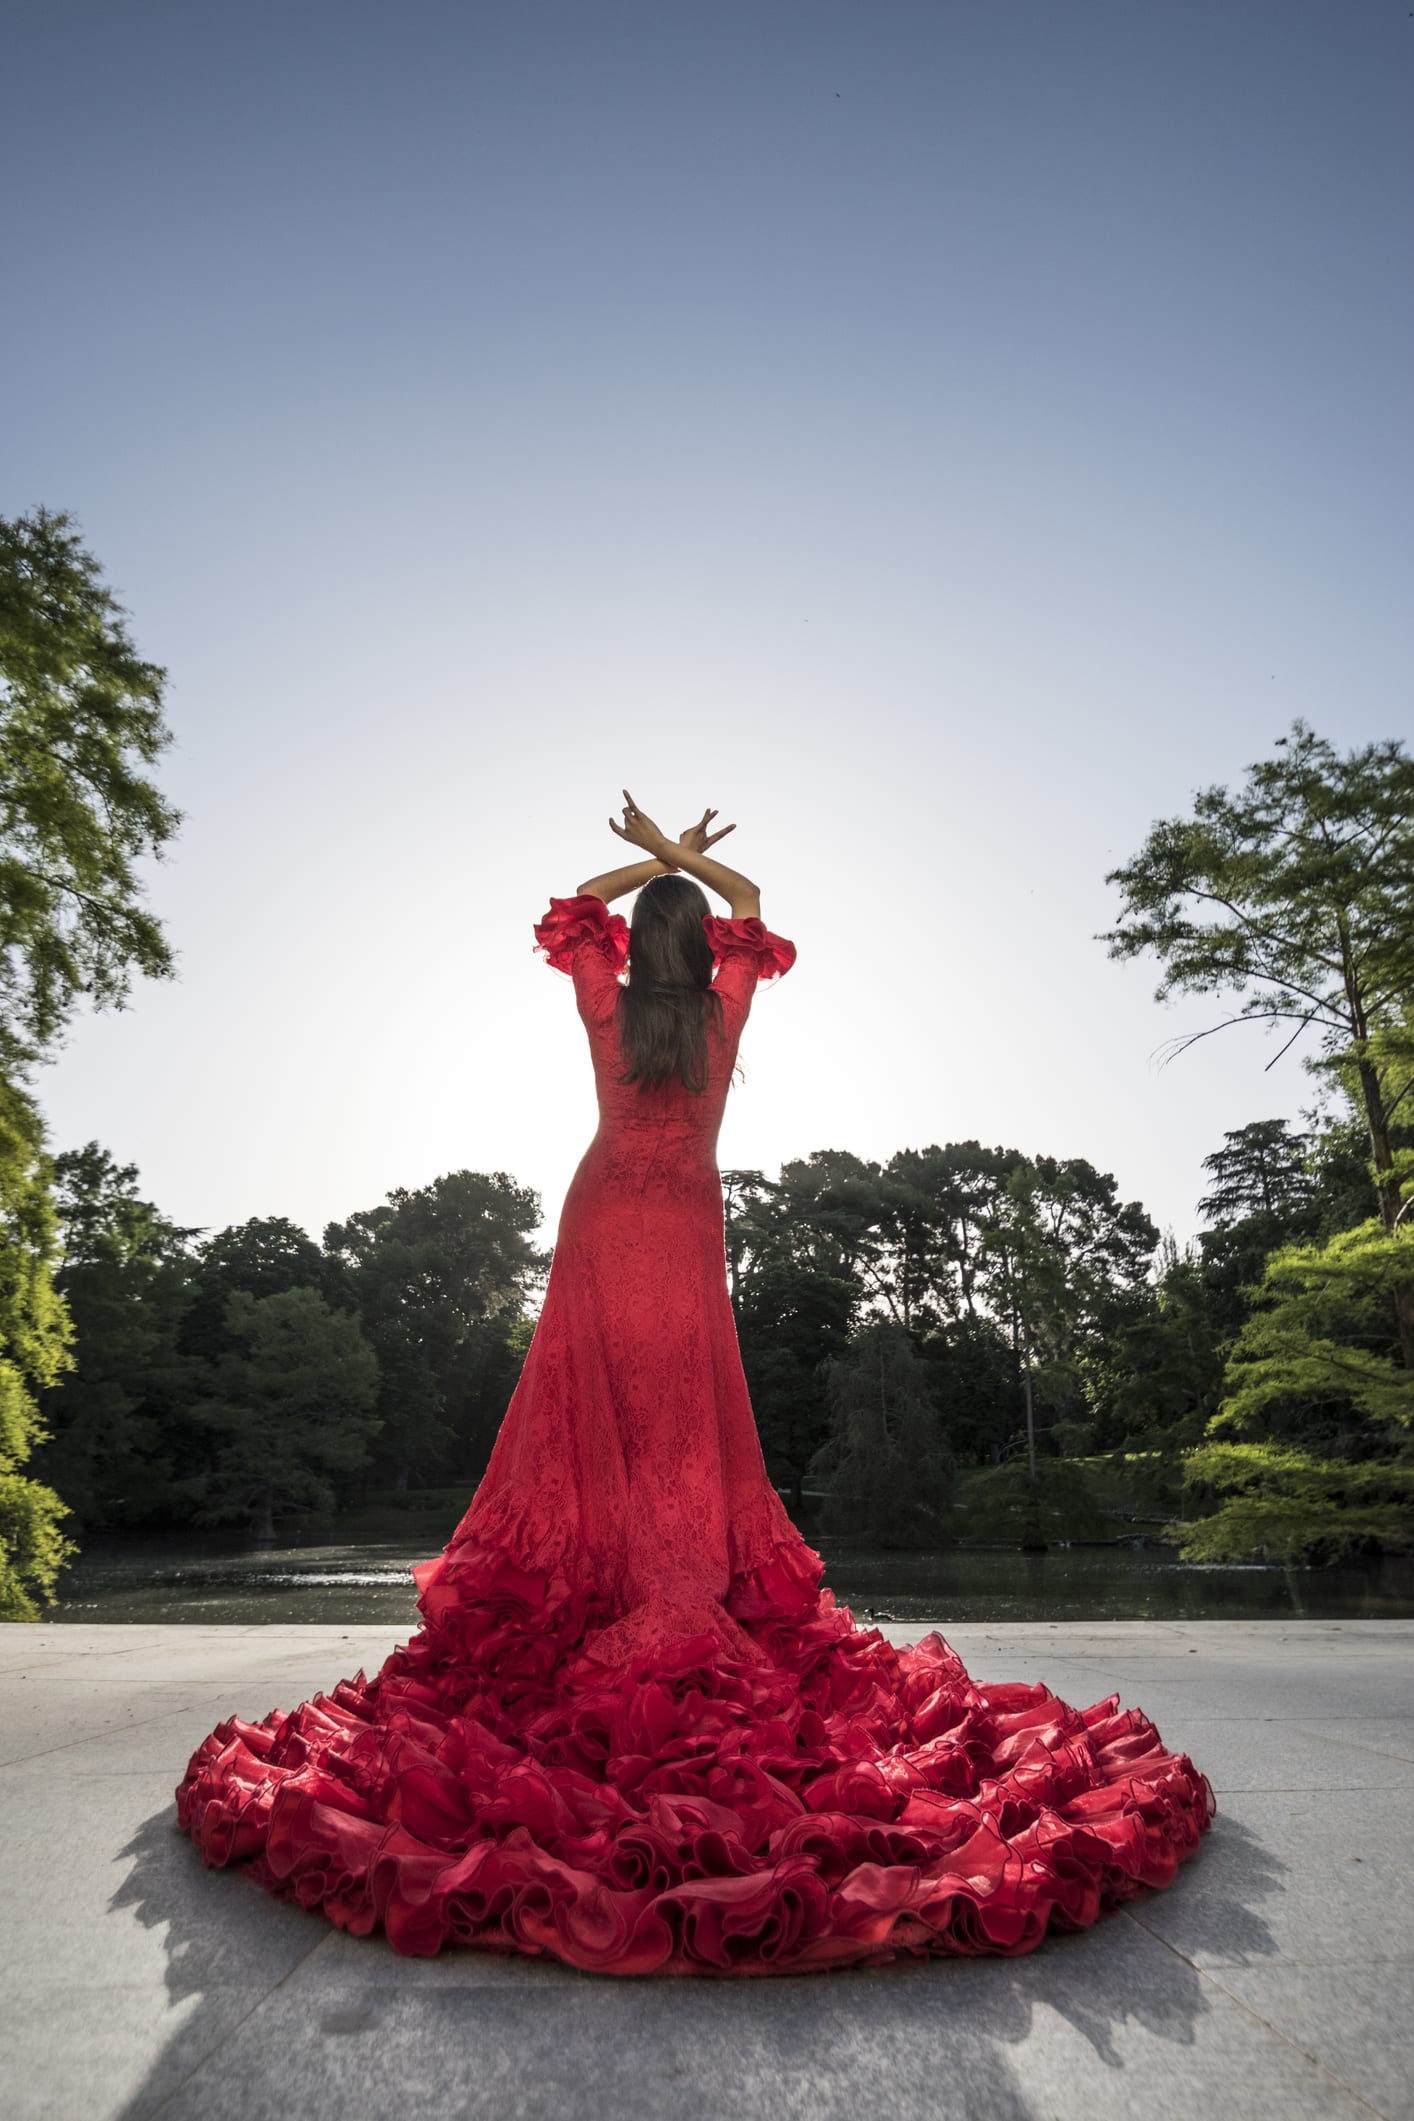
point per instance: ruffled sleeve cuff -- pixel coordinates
(773, 954)
(572, 923)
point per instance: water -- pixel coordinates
(369, 1583)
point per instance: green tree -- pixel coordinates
(1295, 895)
(35, 1331)
(1317, 1391)
(265, 1256)
(288, 1407)
(1292, 1505)
(424, 1271)
(117, 1438)
(1261, 1169)
(794, 1301)
(1263, 1192)
(80, 721)
(887, 1459)
(791, 1320)
(938, 1206)
(1069, 1265)
(1323, 1330)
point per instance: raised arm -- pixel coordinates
(639, 830)
(615, 882)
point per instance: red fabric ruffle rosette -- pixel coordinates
(574, 922)
(773, 953)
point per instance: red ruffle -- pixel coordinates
(773, 953)
(572, 921)
(827, 1800)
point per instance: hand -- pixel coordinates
(640, 831)
(697, 839)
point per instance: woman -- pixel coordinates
(633, 1732)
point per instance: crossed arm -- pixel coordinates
(688, 853)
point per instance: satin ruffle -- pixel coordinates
(571, 921)
(774, 954)
(810, 1799)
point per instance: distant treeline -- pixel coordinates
(957, 1307)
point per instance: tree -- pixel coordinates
(116, 1420)
(288, 1406)
(1322, 1334)
(891, 1470)
(1295, 1506)
(791, 1320)
(35, 1331)
(938, 1206)
(1069, 1260)
(793, 1301)
(1264, 1193)
(1261, 1169)
(80, 720)
(1155, 1383)
(263, 1257)
(423, 1271)
(1296, 896)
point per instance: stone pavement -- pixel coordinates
(1275, 1978)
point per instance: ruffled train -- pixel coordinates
(752, 1788)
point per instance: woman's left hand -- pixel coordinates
(697, 839)
(640, 831)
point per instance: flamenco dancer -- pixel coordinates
(633, 1731)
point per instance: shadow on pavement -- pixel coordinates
(500, 2035)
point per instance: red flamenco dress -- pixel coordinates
(633, 1732)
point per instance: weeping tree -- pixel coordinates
(81, 724)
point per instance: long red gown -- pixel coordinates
(632, 1731)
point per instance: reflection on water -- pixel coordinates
(370, 1583)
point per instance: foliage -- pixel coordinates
(890, 1467)
(118, 1447)
(33, 1549)
(1261, 1169)
(35, 1331)
(1006, 1507)
(263, 1257)
(426, 1272)
(80, 720)
(1296, 896)
(1283, 1503)
(289, 1405)
(1324, 1335)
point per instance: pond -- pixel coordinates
(368, 1582)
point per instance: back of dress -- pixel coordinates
(581, 937)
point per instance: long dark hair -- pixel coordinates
(664, 1011)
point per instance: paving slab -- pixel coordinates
(1274, 1978)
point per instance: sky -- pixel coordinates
(941, 437)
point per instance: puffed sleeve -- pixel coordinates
(575, 924)
(771, 955)
(747, 955)
(581, 937)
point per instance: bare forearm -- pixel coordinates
(616, 882)
(741, 894)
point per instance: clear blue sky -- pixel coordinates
(941, 436)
